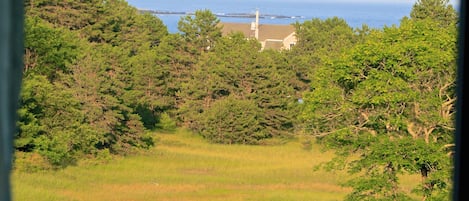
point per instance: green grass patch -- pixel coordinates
(183, 166)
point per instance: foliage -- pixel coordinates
(202, 30)
(439, 10)
(317, 36)
(319, 41)
(390, 100)
(73, 102)
(98, 74)
(48, 50)
(30, 162)
(236, 68)
(99, 83)
(166, 123)
(231, 121)
(71, 14)
(50, 122)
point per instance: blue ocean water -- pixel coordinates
(375, 15)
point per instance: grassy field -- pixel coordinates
(184, 167)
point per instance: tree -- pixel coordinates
(391, 100)
(84, 61)
(236, 68)
(72, 14)
(149, 93)
(318, 37)
(100, 83)
(438, 10)
(174, 59)
(48, 50)
(51, 123)
(233, 121)
(202, 30)
(319, 42)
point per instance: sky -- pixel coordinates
(453, 2)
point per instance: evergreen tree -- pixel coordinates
(48, 50)
(233, 121)
(72, 14)
(201, 31)
(52, 123)
(75, 98)
(236, 68)
(438, 10)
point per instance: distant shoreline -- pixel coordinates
(231, 15)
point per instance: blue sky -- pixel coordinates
(454, 2)
(411, 2)
(351, 1)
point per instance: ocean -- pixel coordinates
(375, 14)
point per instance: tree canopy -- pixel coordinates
(390, 100)
(101, 77)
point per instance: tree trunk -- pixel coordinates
(427, 187)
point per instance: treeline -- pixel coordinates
(100, 75)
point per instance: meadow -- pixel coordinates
(184, 167)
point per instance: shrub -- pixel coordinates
(166, 123)
(232, 121)
(30, 162)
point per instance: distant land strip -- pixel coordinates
(235, 15)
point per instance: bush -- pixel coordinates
(104, 156)
(166, 123)
(232, 121)
(30, 162)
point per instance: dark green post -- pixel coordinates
(11, 64)
(460, 161)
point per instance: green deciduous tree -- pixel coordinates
(391, 100)
(319, 42)
(318, 37)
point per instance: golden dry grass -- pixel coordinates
(184, 167)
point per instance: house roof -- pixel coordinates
(273, 44)
(266, 31)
